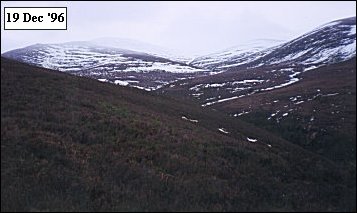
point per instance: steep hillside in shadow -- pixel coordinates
(316, 111)
(75, 144)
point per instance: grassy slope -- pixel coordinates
(332, 133)
(70, 143)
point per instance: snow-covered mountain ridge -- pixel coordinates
(106, 63)
(330, 43)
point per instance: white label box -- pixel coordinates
(35, 18)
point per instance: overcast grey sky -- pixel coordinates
(191, 28)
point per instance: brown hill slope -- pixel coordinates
(71, 143)
(318, 112)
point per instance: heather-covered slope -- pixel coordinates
(72, 143)
(315, 109)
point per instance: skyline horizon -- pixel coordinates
(186, 29)
(173, 51)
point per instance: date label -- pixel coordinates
(39, 18)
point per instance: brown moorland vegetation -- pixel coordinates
(75, 144)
